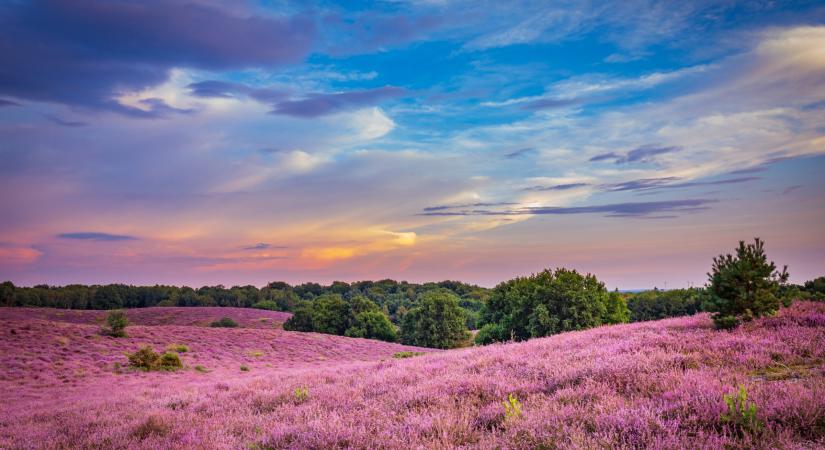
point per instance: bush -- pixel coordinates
(741, 413)
(404, 355)
(437, 321)
(116, 322)
(225, 322)
(268, 305)
(147, 359)
(743, 287)
(244, 368)
(180, 348)
(489, 333)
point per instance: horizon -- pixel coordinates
(198, 143)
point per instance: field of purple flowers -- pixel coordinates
(646, 385)
(193, 315)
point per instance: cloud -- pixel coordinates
(628, 209)
(314, 105)
(65, 123)
(520, 153)
(467, 205)
(4, 102)
(556, 187)
(263, 246)
(643, 154)
(96, 236)
(88, 52)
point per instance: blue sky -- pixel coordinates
(209, 141)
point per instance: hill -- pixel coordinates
(645, 385)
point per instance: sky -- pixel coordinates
(205, 142)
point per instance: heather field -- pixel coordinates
(653, 384)
(174, 315)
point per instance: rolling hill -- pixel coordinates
(646, 385)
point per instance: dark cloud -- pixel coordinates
(652, 210)
(316, 105)
(224, 89)
(666, 183)
(86, 52)
(520, 153)
(643, 154)
(312, 105)
(551, 103)
(467, 205)
(96, 236)
(635, 185)
(793, 188)
(65, 123)
(263, 246)
(4, 102)
(557, 187)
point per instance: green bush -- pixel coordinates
(403, 355)
(743, 287)
(372, 325)
(180, 348)
(268, 305)
(116, 322)
(489, 333)
(224, 322)
(146, 359)
(741, 413)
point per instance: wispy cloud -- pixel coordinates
(96, 236)
(626, 209)
(643, 154)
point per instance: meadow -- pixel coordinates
(660, 384)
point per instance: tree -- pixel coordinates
(117, 322)
(547, 303)
(331, 314)
(372, 325)
(743, 287)
(436, 321)
(301, 319)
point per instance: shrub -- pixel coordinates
(301, 394)
(116, 322)
(437, 321)
(244, 368)
(268, 305)
(402, 355)
(180, 348)
(489, 333)
(743, 287)
(741, 413)
(153, 426)
(512, 408)
(224, 322)
(201, 369)
(147, 359)
(170, 361)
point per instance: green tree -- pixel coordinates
(372, 325)
(547, 303)
(436, 321)
(301, 319)
(331, 314)
(744, 286)
(617, 310)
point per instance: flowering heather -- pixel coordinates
(174, 315)
(645, 385)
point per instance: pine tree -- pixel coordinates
(743, 287)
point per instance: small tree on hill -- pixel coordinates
(116, 323)
(744, 286)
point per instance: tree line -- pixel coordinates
(741, 287)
